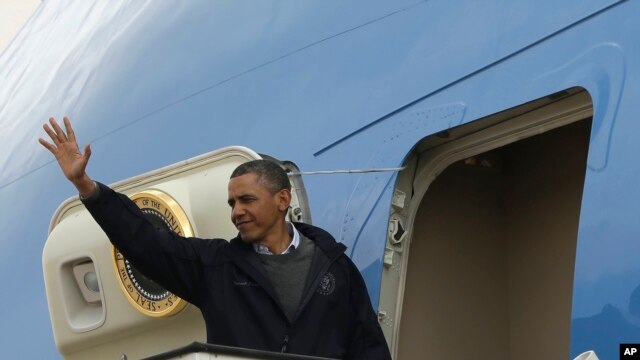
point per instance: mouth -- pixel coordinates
(241, 223)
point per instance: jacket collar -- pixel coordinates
(244, 255)
(320, 237)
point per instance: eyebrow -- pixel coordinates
(243, 197)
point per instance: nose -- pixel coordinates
(236, 211)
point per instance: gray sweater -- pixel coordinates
(288, 274)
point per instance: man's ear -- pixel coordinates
(284, 200)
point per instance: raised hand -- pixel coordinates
(72, 162)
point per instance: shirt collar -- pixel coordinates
(295, 242)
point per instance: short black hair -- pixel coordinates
(270, 174)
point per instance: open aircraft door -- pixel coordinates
(100, 305)
(483, 234)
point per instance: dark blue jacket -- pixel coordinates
(226, 281)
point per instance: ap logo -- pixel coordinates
(629, 351)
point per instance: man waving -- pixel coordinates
(277, 286)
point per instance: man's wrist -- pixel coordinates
(85, 186)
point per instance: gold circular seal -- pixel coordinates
(143, 293)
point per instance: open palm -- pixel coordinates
(65, 148)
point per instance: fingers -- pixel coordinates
(47, 145)
(70, 133)
(57, 134)
(62, 137)
(51, 134)
(87, 152)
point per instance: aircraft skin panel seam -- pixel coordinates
(228, 79)
(466, 77)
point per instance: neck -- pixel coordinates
(279, 240)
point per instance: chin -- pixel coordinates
(248, 238)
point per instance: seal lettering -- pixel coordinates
(144, 294)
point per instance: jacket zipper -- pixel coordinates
(285, 342)
(307, 297)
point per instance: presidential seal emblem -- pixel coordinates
(327, 284)
(144, 294)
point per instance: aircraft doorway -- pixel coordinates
(488, 272)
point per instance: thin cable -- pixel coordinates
(354, 171)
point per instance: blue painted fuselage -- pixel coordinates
(325, 85)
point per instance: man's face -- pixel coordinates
(255, 211)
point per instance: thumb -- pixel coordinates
(87, 152)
